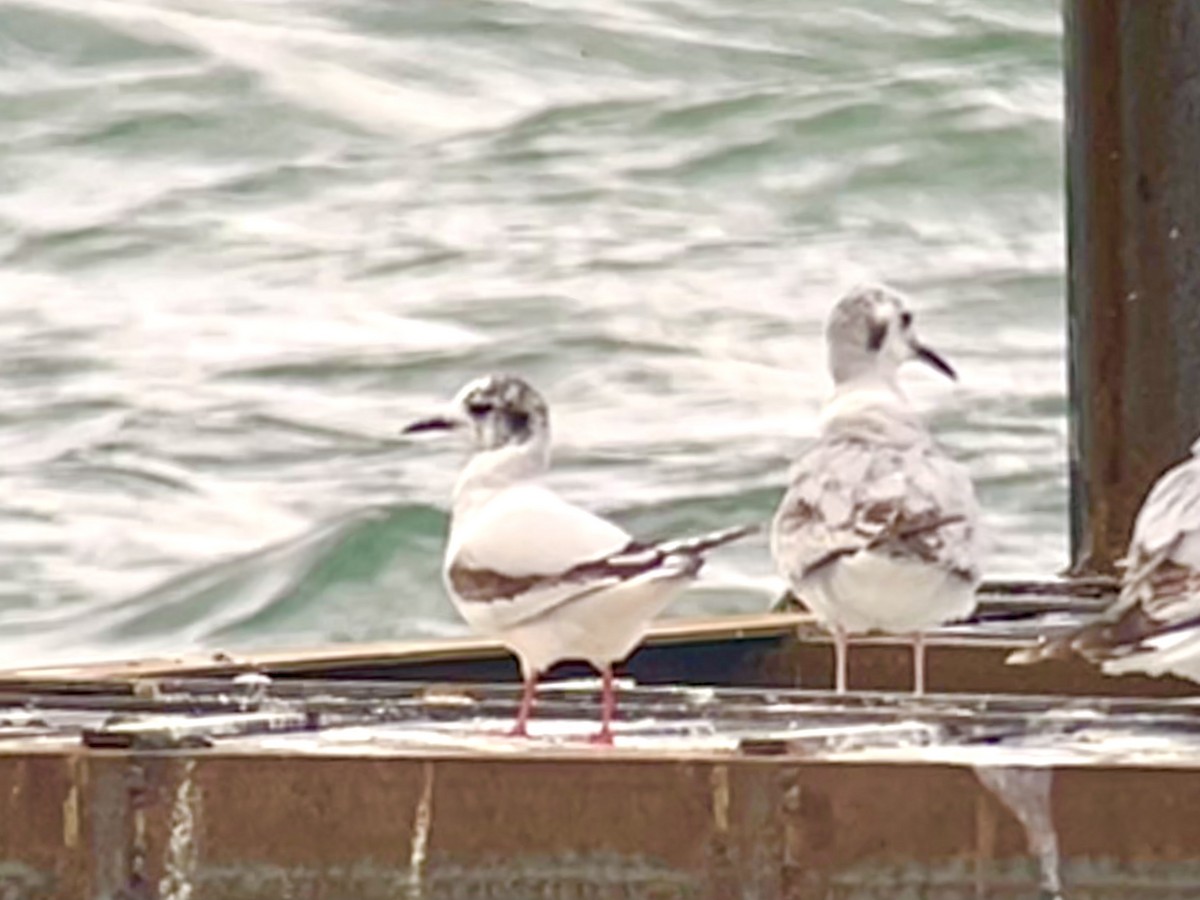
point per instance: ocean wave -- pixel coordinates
(243, 244)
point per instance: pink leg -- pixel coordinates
(608, 708)
(841, 650)
(520, 728)
(918, 664)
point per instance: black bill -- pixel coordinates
(933, 359)
(434, 423)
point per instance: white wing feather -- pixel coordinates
(530, 530)
(1167, 530)
(1171, 512)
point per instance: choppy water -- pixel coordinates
(242, 243)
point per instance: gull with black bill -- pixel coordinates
(548, 578)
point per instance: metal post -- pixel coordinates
(1133, 195)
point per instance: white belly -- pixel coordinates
(872, 592)
(600, 628)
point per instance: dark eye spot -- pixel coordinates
(876, 333)
(479, 408)
(906, 319)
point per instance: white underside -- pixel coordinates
(873, 592)
(1171, 654)
(599, 628)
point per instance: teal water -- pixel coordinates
(241, 244)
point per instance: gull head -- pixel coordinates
(870, 333)
(498, 411)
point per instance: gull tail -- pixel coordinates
(689, 552)
(683, 555)
(701, 544)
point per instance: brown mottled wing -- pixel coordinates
(850, 494)
(1160, 590)
(489, 586)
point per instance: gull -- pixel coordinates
(1153, 625)
(548, 578)
(879, 528)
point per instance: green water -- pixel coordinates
(241, 244)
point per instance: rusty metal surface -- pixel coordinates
(800, 655)
(721, 650)
(955, 665)
(262, 827)
(39, 826)
(766, 649)
(1133, 195)
(371, 718)
(369, 790)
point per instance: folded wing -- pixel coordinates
(1161, 587)
(848, 495)
(529, 552)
